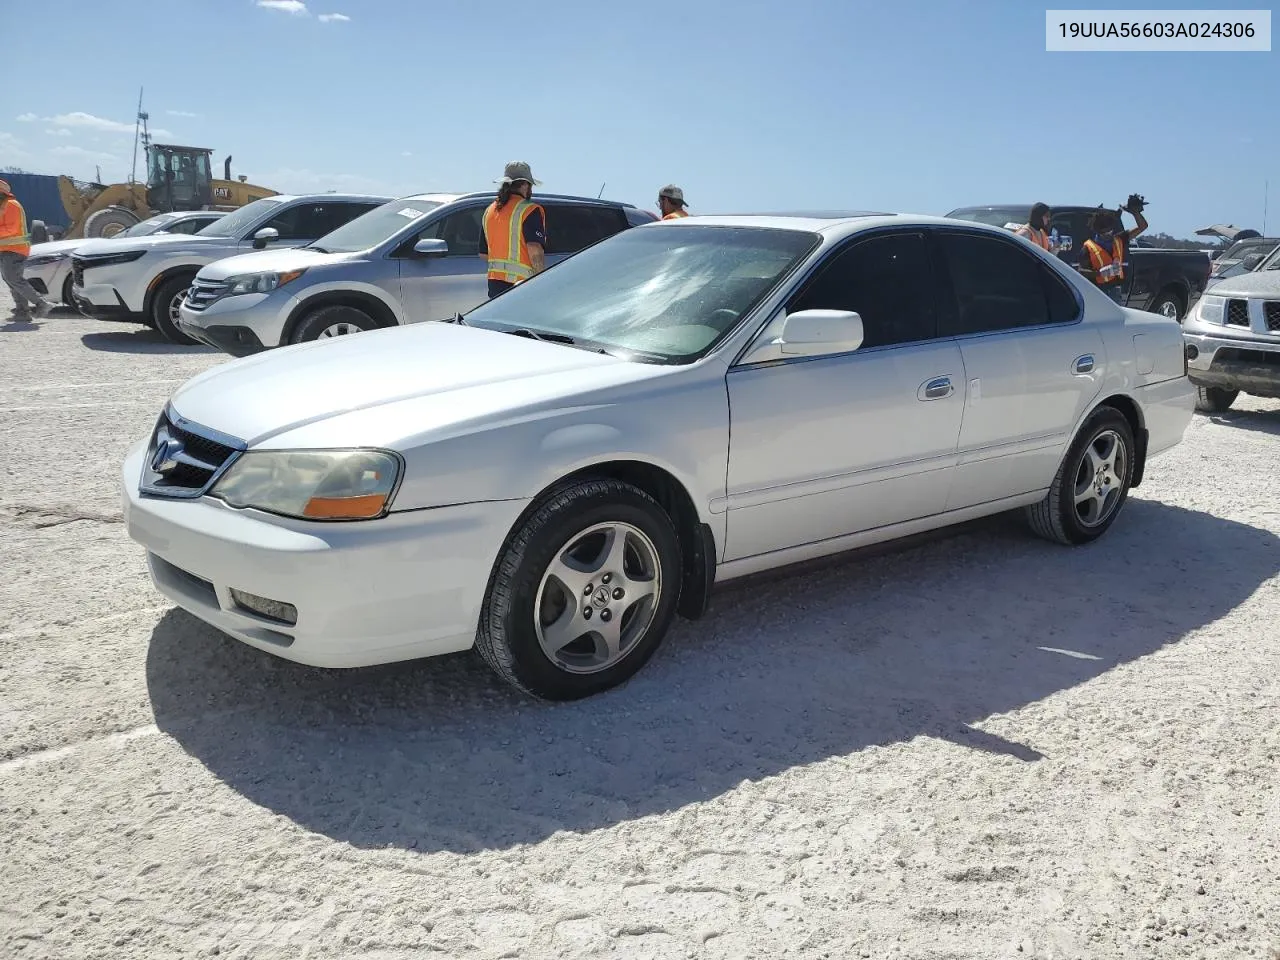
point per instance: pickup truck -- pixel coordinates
(1232, 338)
(1163, 281)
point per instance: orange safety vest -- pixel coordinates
(1107, 268)
(1038, 237)
(509, 258)
(14, 237)
(675, 215)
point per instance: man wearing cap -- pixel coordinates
(514, 237)
(15, 244)
(671, 202)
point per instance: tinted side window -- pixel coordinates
(996, 285)
(887, 280)
(290, 222)
(1063, 307)
(461, 230)
(570, 228)
(190, 226)
(326, 217)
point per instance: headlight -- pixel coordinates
(1211, 308)
(45, 259)
(259, 282)
(312, 484)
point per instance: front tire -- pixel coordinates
(1092, 483)
(165, 306)
(583, 593)
(337, 320)
(1214, 399)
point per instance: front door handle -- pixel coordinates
(1083, 364)
(936, 389)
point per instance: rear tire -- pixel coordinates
(333, 321)
(1092, 483)
(1214, 399)
(109, 221)
(164, 309)
(583, 592)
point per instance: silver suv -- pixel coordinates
(146, 278)
(416, 258)
(1232, 338)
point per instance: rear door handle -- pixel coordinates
(1083, 364)
(935, 389)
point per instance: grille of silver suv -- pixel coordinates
(184, 459)
(1238, 313)
(203, 293)
(1271, 312)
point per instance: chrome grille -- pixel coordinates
(1238, 313)
(1271, 312)
(203, 293)
(184, 458)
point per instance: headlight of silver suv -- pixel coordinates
(1210, 309)
(45, 259)
(259, 282)
(313, 484)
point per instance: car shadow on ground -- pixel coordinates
(926, 641)
(141, 340)
(1257, 421)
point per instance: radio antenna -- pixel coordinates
(601, 193)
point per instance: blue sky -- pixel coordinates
(913, 105)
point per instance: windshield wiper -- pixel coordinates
(543, 336)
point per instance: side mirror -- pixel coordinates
(264, 236)
(815, 333)
(430, 248)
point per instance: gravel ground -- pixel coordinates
(976, 746)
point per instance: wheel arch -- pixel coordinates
(1132, 412)
(164, 276)
(381, 313)
(697, 540)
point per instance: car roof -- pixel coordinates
(832, 223)
(490, 194)
(287, 197)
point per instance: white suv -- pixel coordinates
(146, 279)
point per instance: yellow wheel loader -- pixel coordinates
(178, 178)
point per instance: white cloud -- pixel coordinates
(87, 121)
(82, 153)
(406, 153)
(61, 132)
(28, 118)
(181, 113)
(296, 7)
(334, 18)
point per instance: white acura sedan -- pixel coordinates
(556, 475)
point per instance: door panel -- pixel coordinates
(822, 448)
(1032, 365)
(436, 288)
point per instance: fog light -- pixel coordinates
(276, 610)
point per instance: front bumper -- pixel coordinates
(109, 291)
(1251, 365)
(48, 278)
(240, 325)
(407, 586)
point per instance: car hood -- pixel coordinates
(1263, 283)
(168, 242)
(270, 261)
(54, 247)
(377, 388)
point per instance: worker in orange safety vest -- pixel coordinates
(1036, 229)
(671, 202)
(1103, 256)
(514, 238)
(15, 244)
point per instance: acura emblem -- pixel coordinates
(168, 449)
